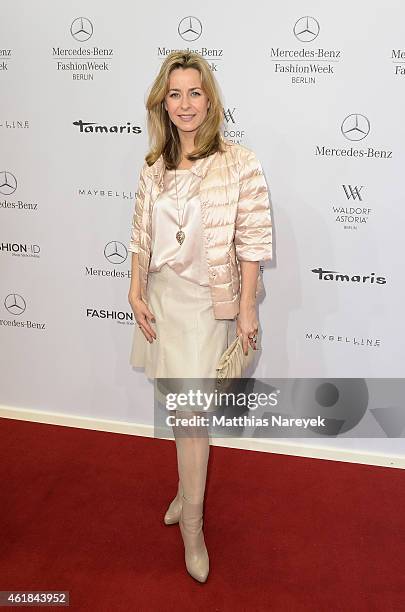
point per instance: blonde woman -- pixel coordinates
(200, 228)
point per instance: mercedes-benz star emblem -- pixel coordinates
(115, 252)
(81, 29)
(190, 28)
(15, 304)
(8, 183)
(306, 29)
(355, 127)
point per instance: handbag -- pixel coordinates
(233, 361)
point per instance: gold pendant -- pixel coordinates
(180, 236)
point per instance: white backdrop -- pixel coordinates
(319, 99)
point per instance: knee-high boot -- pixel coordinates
(192, 443)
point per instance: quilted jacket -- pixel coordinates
(236, 222)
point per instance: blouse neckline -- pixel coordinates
(181, 170)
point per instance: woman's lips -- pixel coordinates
(187, 117)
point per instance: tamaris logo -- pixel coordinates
(332, 275)
(91, 127)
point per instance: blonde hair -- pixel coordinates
(163, 135)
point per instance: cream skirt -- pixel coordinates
(189, 340)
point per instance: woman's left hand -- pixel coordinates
(247, 326)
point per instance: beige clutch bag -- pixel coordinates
(233, 362)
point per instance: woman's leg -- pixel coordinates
(192, 444)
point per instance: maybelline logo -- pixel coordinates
(333, 275)
(8, 185)
(354, 127)
(231, 130)
(333, 338)
(15, 125)
(304, 71)
(91, 127)
(82, 62)
(352, 216)
(190, 29)
(20, 250)
(116, 253)
(93, 192)
(5, 56)
(15, 305)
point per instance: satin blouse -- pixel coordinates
(187, 259)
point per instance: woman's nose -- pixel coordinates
(185, 103)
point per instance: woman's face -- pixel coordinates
(186, 102)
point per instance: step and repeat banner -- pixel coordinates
(317, 91)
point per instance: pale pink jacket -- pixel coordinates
(236, 222)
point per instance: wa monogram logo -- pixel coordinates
(353, 192)
(229, 115)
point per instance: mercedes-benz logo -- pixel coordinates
(115, 252)
(81, 29)
(355, 127)
(306, 29)
(15, 304)
(190, 28)
(8, 183)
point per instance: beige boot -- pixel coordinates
(173, 512)
(195, 550)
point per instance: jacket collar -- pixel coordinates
(200, 168)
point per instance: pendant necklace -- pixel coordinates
(180, 235)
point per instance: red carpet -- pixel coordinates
(82, 511)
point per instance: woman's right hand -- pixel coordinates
(142, 317)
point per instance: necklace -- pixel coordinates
(180, 235)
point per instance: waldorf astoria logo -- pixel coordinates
(232, 129)
(353, 211)
(305, 65)
(85, 61)
(190, 30)
(92, 127)
(343, 278)
(355, 127)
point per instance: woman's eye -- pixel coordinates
(173, 94)
(197, 92)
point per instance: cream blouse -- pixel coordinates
(187, 259)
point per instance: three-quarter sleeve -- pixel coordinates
(134, 244)
(253, 226)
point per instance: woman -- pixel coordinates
(200, 228)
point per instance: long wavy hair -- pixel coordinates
(163, 135)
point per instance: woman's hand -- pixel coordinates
(247, 325)
(142, 317)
